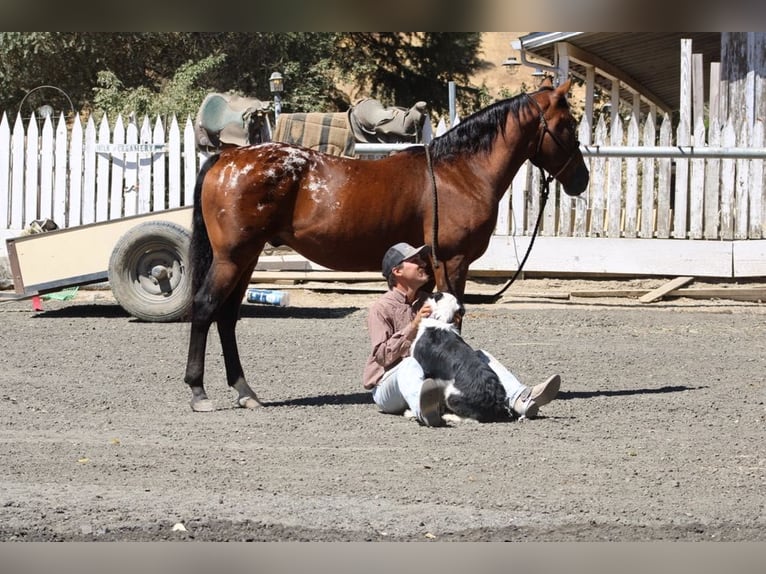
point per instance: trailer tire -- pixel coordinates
(149, 272)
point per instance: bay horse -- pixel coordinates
(344, 213)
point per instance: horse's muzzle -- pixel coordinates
(579, 181)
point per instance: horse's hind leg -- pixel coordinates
(227, 322)
(195, 362)
(213, 294)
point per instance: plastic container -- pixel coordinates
(268, 297)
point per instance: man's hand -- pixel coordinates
(423, 312)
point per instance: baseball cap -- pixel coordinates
(398, 253)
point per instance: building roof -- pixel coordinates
(648, 62)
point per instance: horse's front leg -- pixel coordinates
(227, 323)
(450, 276)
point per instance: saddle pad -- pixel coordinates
(328, 133)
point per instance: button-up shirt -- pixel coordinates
(389, 323)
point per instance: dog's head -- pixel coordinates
(445, 307)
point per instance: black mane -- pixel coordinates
(477, 132)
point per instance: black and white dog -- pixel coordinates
(472, 388)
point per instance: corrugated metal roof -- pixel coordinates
(652, 59)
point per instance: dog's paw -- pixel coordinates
(453, 418)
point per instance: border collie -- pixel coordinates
(472, 388)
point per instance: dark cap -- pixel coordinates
(398, 253)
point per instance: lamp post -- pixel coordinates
(276, 86)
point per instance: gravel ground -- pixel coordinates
(657, 434)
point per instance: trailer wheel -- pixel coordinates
(149, 272)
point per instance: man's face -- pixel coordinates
(412, 272)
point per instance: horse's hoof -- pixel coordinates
(202, 406)
(249, 402)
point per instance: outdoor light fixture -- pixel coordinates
(276, 86)
(512, 64)
(540, 69)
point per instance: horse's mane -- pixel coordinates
(477, 132)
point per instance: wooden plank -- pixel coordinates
(598, 183)
(726, 206)
(741, 187)
(664, 172)
(683, 137)
(115, 202)
(614, 177)
(749, 258)
(732, 293)
(599, 293)
(631, 177)
(663, 290)
(697, 188)
(624, 256)
(647, 183)
(757, 204)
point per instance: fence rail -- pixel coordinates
(643, 184)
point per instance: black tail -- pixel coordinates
(200, 252)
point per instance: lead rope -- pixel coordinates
(544, 192)
(435, 197)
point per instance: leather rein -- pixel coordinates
(545, 182)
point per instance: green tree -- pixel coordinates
(409, 66)
(171, 71)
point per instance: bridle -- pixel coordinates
(545, 130)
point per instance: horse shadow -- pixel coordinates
(324, 400)
(366, 397)
(268, 312)
(111, 311)
(108, 311)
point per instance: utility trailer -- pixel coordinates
(144, 258)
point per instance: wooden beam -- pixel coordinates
(612, 72)
(732, 293)
(663, 290)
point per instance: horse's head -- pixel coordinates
(557, 148)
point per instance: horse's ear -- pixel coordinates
(563, 89)
(547, 82)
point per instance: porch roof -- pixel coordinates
(648, 62)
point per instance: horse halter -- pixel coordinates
(546, 130)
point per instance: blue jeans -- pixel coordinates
(399, 389)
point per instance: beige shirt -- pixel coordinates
(389, 323)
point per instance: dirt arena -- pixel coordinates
(657, 434)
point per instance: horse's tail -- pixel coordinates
(200, 251)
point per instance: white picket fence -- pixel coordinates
(77, 175)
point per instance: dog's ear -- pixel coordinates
(437, 296)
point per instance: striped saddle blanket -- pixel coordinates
(328, 133)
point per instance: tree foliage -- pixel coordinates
(170, 72)
(411, 66)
